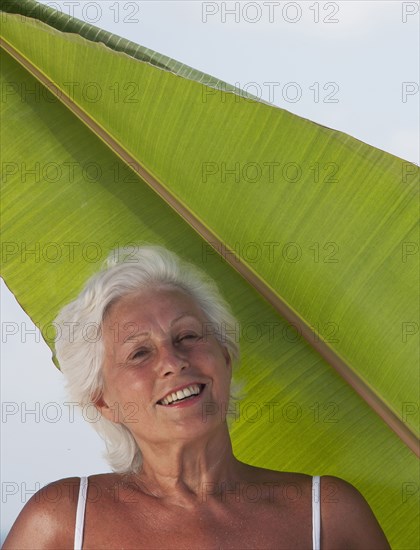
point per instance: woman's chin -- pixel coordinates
(199, 417)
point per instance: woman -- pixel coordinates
(144, 344)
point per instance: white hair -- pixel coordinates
(79, 347)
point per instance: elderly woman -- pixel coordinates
(144, 344)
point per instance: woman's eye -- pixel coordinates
(189, 337)
(140, 353)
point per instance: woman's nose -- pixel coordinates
(171, 359)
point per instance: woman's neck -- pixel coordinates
(188, 471)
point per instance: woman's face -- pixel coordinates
(157, 342)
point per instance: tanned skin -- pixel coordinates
(191, 491)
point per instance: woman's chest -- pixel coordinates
(243, 527)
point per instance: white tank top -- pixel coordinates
(316, 513)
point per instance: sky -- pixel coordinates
(351, 66)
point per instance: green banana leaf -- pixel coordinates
(311, 234)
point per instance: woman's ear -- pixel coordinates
(103, 407)
(227, 358)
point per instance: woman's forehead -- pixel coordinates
(147, 304)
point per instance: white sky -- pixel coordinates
(363, 60)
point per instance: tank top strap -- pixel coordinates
(80, 514)
(316, 512)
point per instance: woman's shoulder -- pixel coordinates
(48, 518)
(346, 517)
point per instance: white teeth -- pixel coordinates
(194, 389)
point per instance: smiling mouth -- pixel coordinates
(182, 395)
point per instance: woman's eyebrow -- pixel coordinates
(132, 337)
(185, 314)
